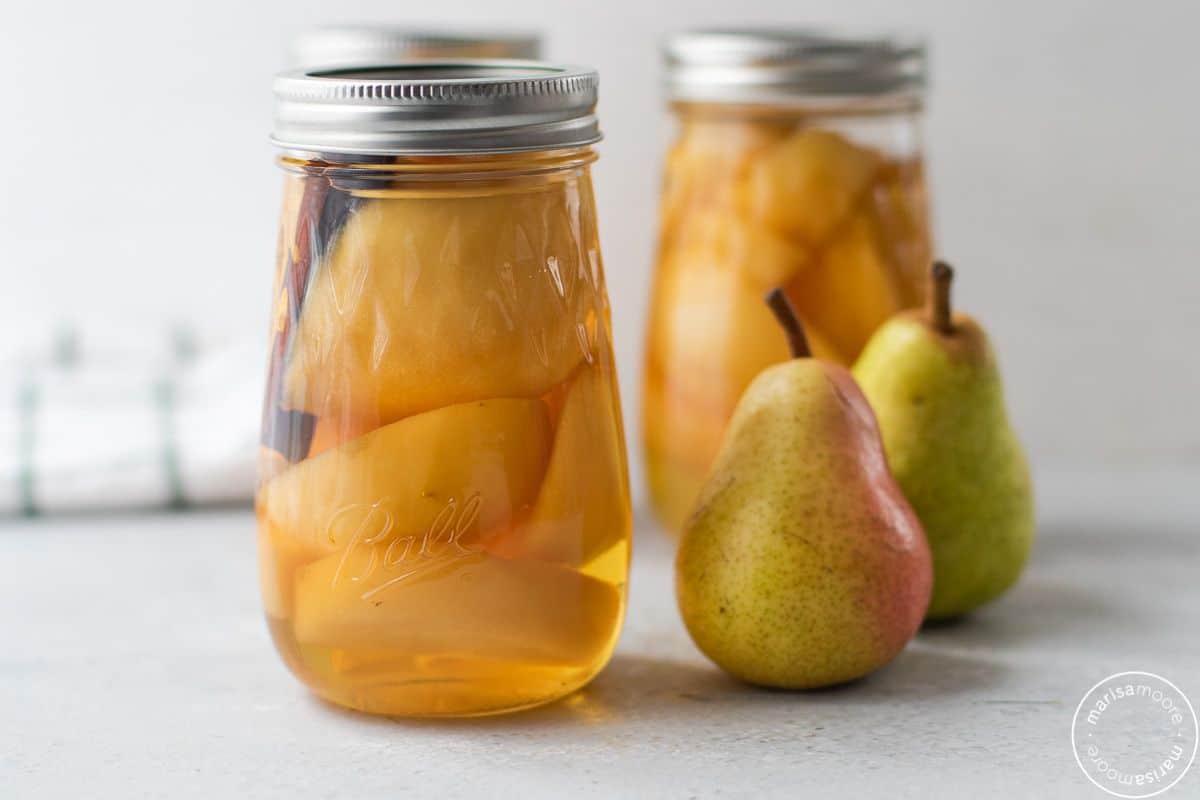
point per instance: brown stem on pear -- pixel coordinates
(941, 276)
(782, 308)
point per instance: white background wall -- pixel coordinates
(138, 182)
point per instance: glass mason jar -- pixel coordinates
(797, 164)
(444, 515)
(340, 46)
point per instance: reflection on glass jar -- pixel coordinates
(797, 164)
(444, 515)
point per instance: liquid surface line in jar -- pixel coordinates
(444, 520)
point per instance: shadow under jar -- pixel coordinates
(443, 508)
(798, 164)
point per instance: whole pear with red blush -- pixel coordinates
(802, 564)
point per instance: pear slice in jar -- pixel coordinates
(582, 509)
(821, 345)
(804, 186)
(682, 433)
(455, 602)
(704, 166)
(898, 202)
(430, 300)
(713, 322)
(279, 557)
(853, 289)
(709, 319)
(727, 241)
(710, 334)
(457, 472)
(764, 258)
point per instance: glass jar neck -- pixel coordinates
(484, 166)
(892, 105)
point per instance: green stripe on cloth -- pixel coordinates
(27, 403)
(164, 401)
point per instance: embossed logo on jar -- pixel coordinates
(375, 559)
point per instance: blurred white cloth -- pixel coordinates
(105, 418)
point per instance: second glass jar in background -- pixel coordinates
(444, 516)
(798, 164)
(343, 46)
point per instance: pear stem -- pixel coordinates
(783, 310)
(941, 276)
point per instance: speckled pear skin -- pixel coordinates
(802, 565)
(940, 405)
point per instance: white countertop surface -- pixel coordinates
(135, 663)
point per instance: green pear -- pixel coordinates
(802, 564)
(932, 379)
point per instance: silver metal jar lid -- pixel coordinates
(755, 66)
(366, 45)
(437, 107)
